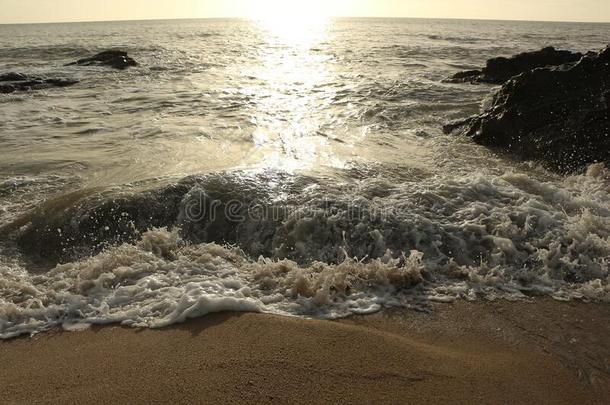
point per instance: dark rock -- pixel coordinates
(115, 59)
(466, 76)
(556, 115)
(499, 70)
(13, 82)
(7, 88)
(12, 77)
(455, 125)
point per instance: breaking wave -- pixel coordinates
(476, 237)
(327, 190)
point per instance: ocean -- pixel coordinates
(280, 167)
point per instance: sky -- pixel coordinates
(26, 11)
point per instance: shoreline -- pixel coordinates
(540, 351)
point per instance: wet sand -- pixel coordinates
(492, 352)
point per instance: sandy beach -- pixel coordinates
(494, 352)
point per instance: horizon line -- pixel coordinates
(332, 17)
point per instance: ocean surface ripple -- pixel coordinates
(245, 167)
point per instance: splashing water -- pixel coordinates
(337, 132)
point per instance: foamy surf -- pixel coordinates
(540, 239)
(336, 192)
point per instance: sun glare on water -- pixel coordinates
(293, 22)
(292, 131)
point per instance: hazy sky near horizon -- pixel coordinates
(22, 11)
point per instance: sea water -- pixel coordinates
(281, 167)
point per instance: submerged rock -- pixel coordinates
(12, 77)
(115, 59)
(12, 82)
(557, 115)
(499, 70)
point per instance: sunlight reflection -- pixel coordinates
(292, 122)
(302, 31)
(296, 23)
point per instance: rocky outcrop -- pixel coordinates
(12, 77)
(12, 82)
(115, 59)
(499, 70)
(557, 115)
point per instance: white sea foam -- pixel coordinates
(539, 238)
(350, 120)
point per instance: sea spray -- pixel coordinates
(335, 191)
(531, 238)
